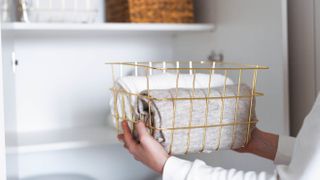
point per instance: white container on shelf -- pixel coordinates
(6, 9)
(75, 11)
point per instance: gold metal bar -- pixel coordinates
(217, 68)
(132, 112)
(236, 110)
(198, 68)
(173, 126)
(189, 125)
(149, 100)
(204, 138)
(115, 108)
(222, 108)
(254, 80)
(194, 84)
(123, 108)
(121, 91)
(199, 127)
(244, 66)
(174, 111)
(191, 111)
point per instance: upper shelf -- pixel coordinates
(107, 27)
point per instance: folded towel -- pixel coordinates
(126, 104)
(195, 112)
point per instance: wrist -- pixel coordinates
(266, 144)
(251, 147)
(162, 164)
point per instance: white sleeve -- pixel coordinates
(284, 151)
(178, 169)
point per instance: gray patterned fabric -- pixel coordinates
(206, 139)
(124, 105)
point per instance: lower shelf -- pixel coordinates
(59, 139)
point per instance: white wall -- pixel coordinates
(62, 81)
(2, 123)
(248, 31)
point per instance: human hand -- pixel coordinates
(146, 150)
(262, 144)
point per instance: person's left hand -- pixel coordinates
(146, 150)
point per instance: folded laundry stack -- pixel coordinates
(215, 123)
(126, 103)
(188, 125)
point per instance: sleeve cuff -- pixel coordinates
(176, 169)
(285, 149)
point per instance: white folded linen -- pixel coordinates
(166, 114)
(124, 105)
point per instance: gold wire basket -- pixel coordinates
(190, 117)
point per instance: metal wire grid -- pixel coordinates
(192, 68)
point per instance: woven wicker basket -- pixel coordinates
(150, 11)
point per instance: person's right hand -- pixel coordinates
(262, 144)
(146, 149)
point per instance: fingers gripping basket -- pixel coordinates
(187, 106)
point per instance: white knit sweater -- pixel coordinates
(296, 159)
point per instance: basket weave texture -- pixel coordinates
(150, 11)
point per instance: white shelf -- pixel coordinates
(108, 27)
(60, 139)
